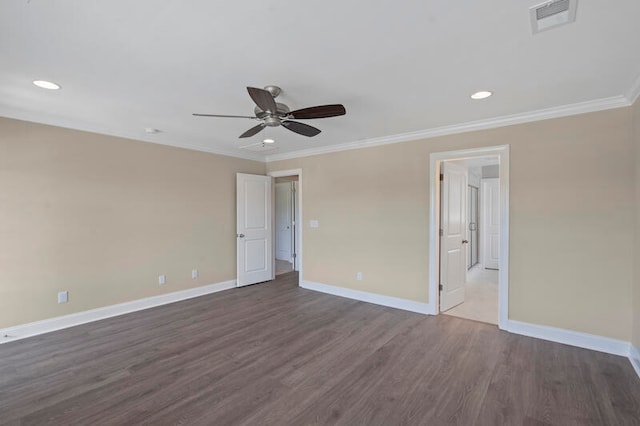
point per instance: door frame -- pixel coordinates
(298, 227)
(435, 162)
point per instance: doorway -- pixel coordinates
(473, 284)
(480, 283)
(287, 198)
(285, 223)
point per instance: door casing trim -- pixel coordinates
(435, 162)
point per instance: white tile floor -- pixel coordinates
(481, 296)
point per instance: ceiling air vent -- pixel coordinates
(552, 14)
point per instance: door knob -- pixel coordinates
(465, 241)
(240, 235)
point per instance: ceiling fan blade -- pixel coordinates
(321, 111)
(263, 99)
(252, 131)
(300, 128)
(224, 116)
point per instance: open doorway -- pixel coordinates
(478, 290)
(287, 202)
(467, 234)
(285, 223)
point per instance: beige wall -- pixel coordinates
(102, 217)
(636, 259)
(572, 206)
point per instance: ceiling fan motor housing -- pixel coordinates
(281, 111)
(272, 121)
(274, 90)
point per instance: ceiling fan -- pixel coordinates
(271, 113)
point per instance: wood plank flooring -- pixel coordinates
(276, 354)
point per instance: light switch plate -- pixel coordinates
(63, 296)
(314, 223)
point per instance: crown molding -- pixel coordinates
(76, 125)
(492, 123)
(634, 91)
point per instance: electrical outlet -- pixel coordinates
(162, 280)
(63, 296)
(194, 273)
(359, 276)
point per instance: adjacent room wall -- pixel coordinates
(572, 205)
(102, 217)
(489, 172)
(636, 258)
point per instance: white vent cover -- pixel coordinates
(552, 14)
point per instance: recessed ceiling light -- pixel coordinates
(483, 94)
(268, 141)
(46, 84)
(151, 130)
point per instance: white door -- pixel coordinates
(453, 222)
(491, 223)
(254, 229)
(284, 221)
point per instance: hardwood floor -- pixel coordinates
(276, 354)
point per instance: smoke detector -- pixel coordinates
(552, 14)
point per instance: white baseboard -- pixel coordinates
(568, 337)
(634, 357)
(45, 326)
(377, 299)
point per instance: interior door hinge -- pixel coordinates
(441, 232)
(294, 255)
(441, 177)
(440, 287)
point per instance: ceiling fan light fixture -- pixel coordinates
(483, 94)
(44, 84)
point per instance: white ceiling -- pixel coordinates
(398, 66)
